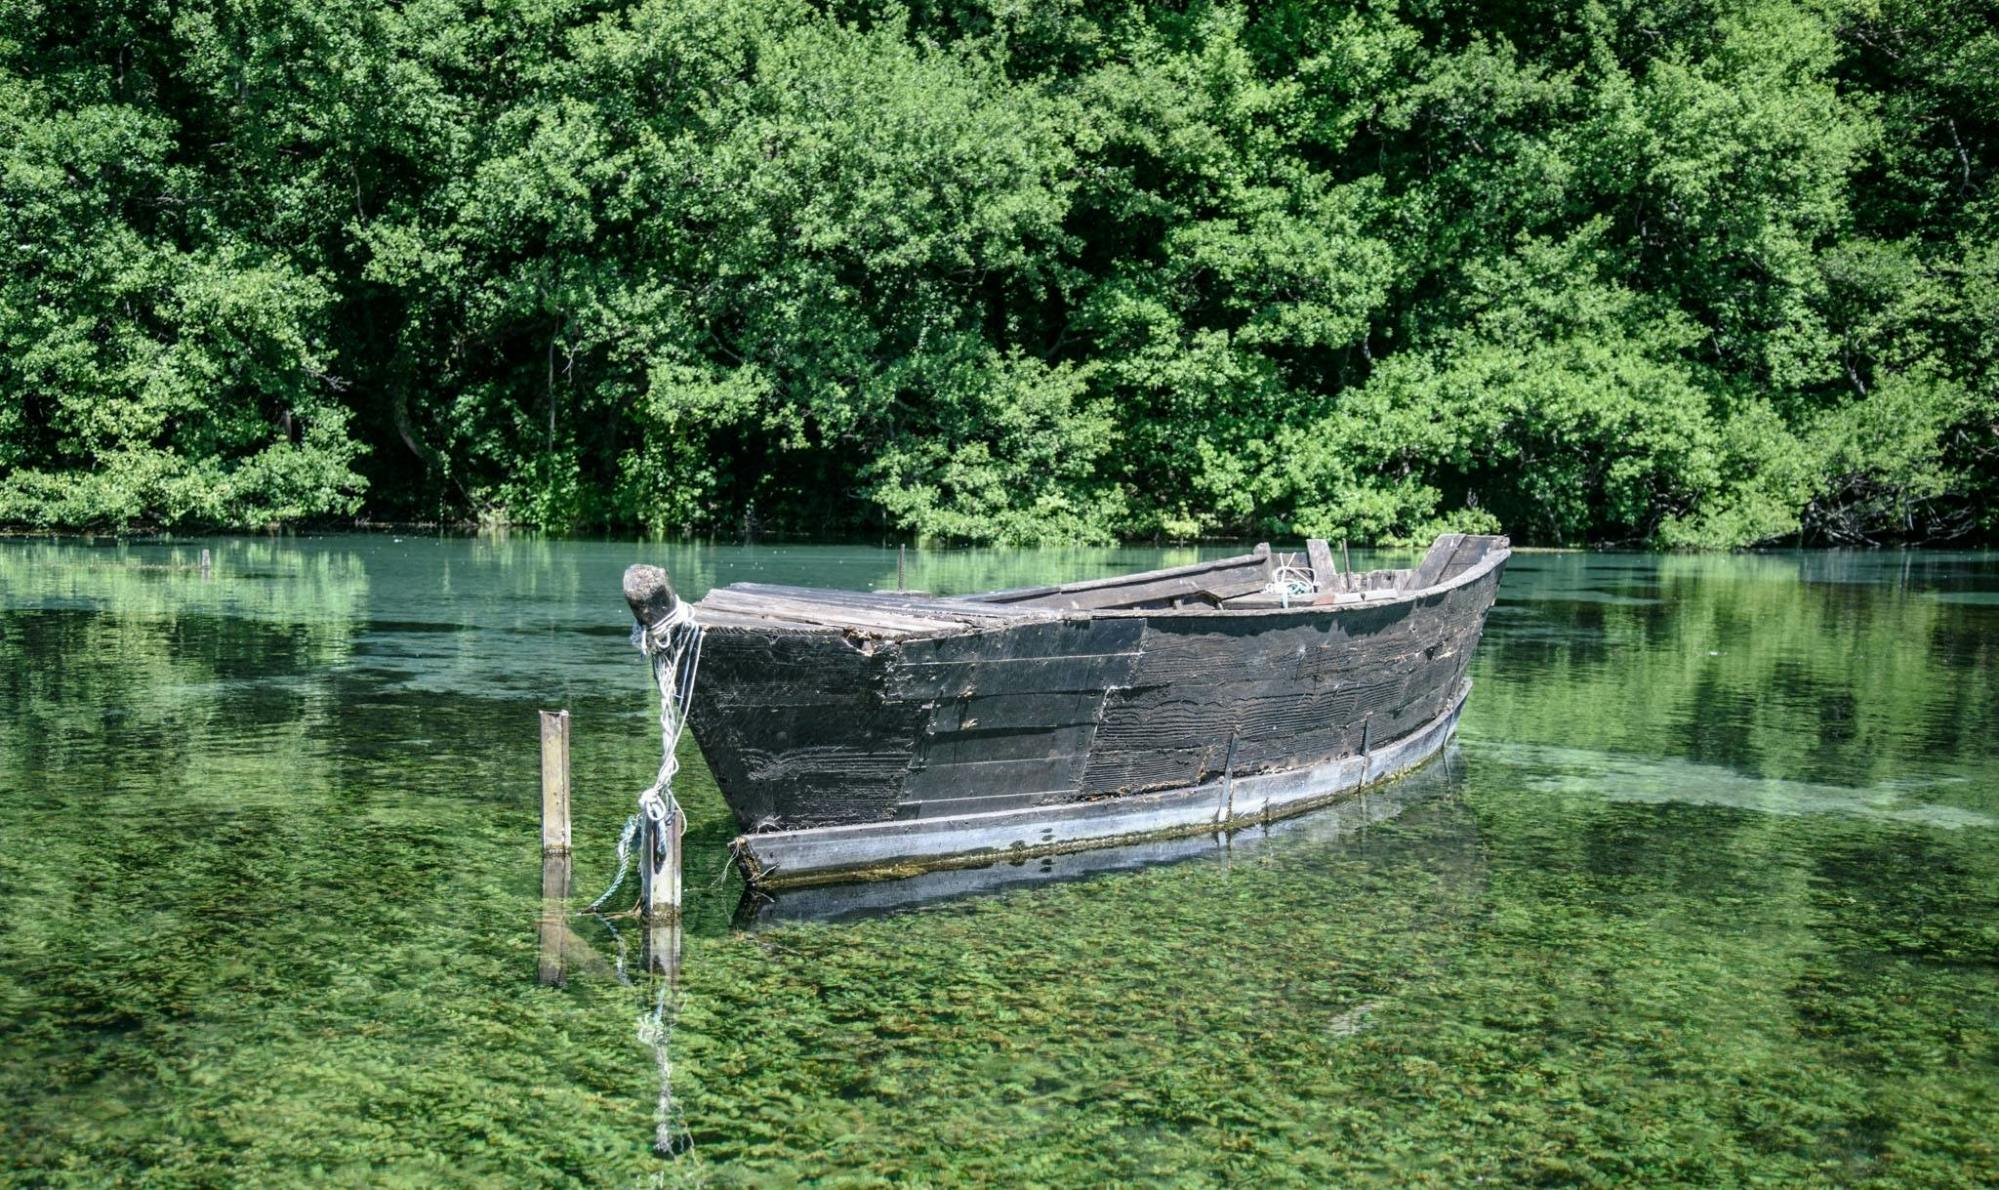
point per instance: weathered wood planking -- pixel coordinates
(555, 782)
(795, 728)
(821, 710)
(1213, 581)
(1324, 573)
(872, 849)
(1430, 570)
(1289, 695)
(1469, 554)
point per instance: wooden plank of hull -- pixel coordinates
(860, 898)
(1012, 675)
(1016, 712)
(1300, 692)
(1472, 552)
(926, 606)
(1074, 635)
(795, 728)
(1213, 588)
(1430, 571)
(887, 849)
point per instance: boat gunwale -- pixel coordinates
(1491, 561)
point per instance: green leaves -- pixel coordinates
(159, 370)
(1659, 275)
(1010, 456)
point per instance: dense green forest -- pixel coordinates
(1667, 273)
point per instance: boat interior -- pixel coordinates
(1261, 579)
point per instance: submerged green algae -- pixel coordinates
(1709, 894)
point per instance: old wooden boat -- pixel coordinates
(865, 735)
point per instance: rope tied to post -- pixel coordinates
(672, 644)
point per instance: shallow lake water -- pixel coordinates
(1706, 892)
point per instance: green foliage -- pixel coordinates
(156, 368)
(1677, 275)
(1010, 458)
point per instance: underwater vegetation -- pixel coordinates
(1707, 894)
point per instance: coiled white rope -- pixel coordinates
(1290, 581)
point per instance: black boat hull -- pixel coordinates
(847, 756)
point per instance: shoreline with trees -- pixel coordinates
(1668, 276)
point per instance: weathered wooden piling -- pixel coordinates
(553, 929)
(661, 896)
(659, 867)
(662, 949)
(207, 563)
(554, 783)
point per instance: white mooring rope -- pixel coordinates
(673, 644)
(1289, 581)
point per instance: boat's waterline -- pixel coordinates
(906, 847)
(1342, 819)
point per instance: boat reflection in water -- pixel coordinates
(1429, 788)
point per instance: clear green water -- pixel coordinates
(1709, 894)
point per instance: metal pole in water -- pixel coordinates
(555, 783)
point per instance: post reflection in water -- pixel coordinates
(655, 987)
(661, 984)
(552, 930)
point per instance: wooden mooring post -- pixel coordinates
(659, 893)
(553, 929)
(650, 594)
(555, 783)
(659, 867)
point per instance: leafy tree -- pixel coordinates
(159, 364)
(1663, 272)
